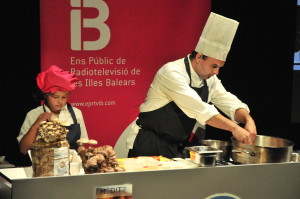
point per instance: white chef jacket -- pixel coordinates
(171, 83)
(64, 116)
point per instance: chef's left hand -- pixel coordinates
(242, 116)
(251, 128)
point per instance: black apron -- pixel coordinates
(74, 129)
(165, 131)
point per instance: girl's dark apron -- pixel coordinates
(74, 129)
(166, 131)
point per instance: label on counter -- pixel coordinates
(114, 191)
(61, 167)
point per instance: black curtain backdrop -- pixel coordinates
(20, 63)
(259, 66)
(258, 69)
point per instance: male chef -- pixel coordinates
(185, 93)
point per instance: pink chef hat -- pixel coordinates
(55, 79)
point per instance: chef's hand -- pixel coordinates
(43, 117)
(243, 116)
(251, 128)
(242, 135)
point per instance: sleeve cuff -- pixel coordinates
(233, 110)
(211, 112)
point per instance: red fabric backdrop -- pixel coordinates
(135, 38)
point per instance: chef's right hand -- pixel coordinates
(43, 117)
(242, 135)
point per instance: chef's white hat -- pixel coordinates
(217, 36)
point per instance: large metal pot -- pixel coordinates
(221, 145)
(266, 149)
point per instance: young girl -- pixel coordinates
(56, 85)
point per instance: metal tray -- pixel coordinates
(203, 155)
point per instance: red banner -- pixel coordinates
(115, 48)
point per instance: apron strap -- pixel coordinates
(187, 67)
(203, 91)
(72, 113)
(198, 132)
(44, 107)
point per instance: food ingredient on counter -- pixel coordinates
(99, 160)
(148, 163)
(50, 152)
(83, 141)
